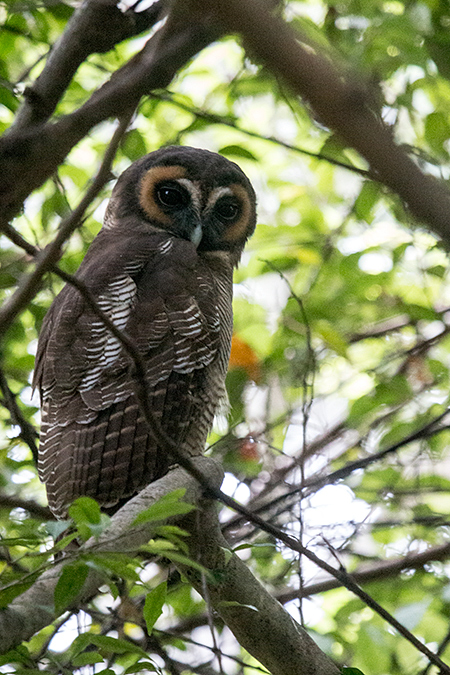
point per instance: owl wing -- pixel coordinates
(94, 438)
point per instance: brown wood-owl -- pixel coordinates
(161, 268)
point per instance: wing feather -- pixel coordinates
(94, 439)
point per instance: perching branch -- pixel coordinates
(34, 609)
(268, 633)
(257, 620)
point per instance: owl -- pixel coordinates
(161, 269)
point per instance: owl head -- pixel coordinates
(191, 193)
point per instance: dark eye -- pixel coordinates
(171, 196)
(227, 210)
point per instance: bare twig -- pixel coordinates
(226, 121)
(314, 483)
(440, 650)
(426, 431)
(27, 432)
(380, 570)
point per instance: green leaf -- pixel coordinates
(154, 603)
(119, 564)
(69, 585)
(87, 659)
(88, 518)
(227, 553)
(167, 506)
(242, 547)
(140, 666)
(18, 655)
(331, 336)
(11, 591)
(85, 510)
(351, 671)
(134, 145)
(437, 130)
(56, 527)
(171, 531)
(177, 557)
(237, 151)
(366, 200)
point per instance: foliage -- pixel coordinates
(341, 352)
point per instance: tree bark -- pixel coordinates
(258, 621)
(341, 101)
(260, 624)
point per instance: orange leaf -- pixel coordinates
(243, 356)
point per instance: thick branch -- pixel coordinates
(340, 102)
(262, 627)
(258, 621)
(85, 34)
(28, 158)
(34, 609)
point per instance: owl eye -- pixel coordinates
(227, 210)
(171, 196)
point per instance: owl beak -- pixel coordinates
(196, 234)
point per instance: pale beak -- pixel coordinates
(197, 234)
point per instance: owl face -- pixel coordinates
(194, 194)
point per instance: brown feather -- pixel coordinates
(175, 302)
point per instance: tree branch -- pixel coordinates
(365, 574)
(28, 157)
(258, 621)
(85, 34)
(46, 259)
(232, 124)
(381, 570)
(341, 102)
(34, 609)
(271, 636)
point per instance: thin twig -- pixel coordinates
(168, 97)
(34, 509)
(27, 432)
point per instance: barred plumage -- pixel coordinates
(161, 269)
